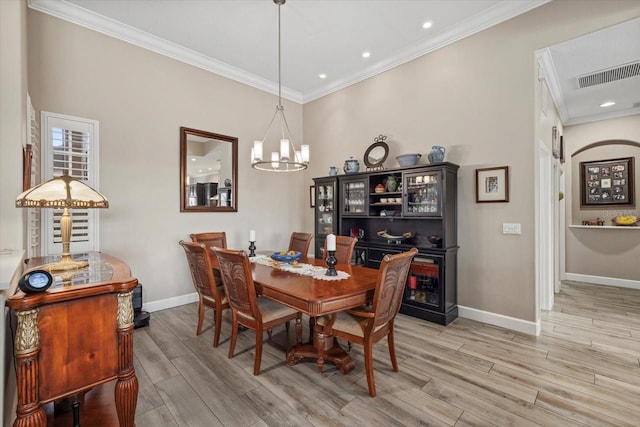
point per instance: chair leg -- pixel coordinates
(258, 358)
(287, 326)
(368, 366)
(234, 334)
(218, 327)
(200, 317)
(269, 332)
(392, 351)
(312, 325)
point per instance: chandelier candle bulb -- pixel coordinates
(331, 242)
(305, 153)
(284, 149)
(275, 160)
(257, 150)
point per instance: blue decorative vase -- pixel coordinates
(436, 155)
(351, 166)
(333, 171)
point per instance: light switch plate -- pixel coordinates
(511, 228)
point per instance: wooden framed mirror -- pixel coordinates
(208, 171)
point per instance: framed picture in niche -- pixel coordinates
(607, 182)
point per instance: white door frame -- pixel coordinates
(545, 271)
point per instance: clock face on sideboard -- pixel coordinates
(35, 281)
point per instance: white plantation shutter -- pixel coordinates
(70, 144)
(33, 215)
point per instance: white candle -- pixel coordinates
(252, 235)
(331, 242)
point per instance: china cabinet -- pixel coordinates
(393, 210)
(325, 216)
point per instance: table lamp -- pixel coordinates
(63, 192)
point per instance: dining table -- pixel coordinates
(316, 296)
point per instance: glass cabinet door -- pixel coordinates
(325, 208)
(423, 287)
(423, 194)
(354, 195)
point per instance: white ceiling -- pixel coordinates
(239, 39)
(611, 47)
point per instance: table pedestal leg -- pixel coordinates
(331, 352)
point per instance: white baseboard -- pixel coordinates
(524, 326)
(601, 280)
(170, 302)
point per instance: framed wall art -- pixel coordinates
(607, 182)
(492, 184)
(312, 196)
(555, 142)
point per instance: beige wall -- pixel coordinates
(476, 98)
(602, 252)
(13, 118)
(141, 99)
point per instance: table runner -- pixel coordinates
(300, 268)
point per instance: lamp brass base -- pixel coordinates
(66, 263)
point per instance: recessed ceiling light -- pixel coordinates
(322, 75)
(608, 104)
(193, 159)
(366, 54)
(427, 24)
(199, 170)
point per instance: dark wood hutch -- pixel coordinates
(422, 205)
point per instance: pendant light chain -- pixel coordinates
(288, 159)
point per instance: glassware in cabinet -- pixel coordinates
(354, 196)
(325, 215)
(423, 193)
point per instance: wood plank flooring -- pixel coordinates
(583, 370)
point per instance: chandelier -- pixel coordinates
(287, 159)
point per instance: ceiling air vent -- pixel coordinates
(609, 75)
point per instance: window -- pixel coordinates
(70, 144)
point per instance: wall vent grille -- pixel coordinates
(610, 75)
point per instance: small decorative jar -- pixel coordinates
(351, 166)
(391, 184)
(333, 171)
(437, 154)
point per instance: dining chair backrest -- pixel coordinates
(211, 239)
(344, 249)
(235, 271)
(300, 242)
(199, 259)
(387, 297)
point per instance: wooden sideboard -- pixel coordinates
(75, 336)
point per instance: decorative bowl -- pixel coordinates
(391, 238)
(626, 220)
(405, 160)
(387, 213)
(288, 257)
(435, 240)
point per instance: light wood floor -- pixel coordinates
(582, 370)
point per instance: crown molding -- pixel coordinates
(93, 21)
(70, 12)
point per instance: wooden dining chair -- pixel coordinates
(344, 249)
(211, 239)
(367, 325)
(247, 309)
(300, 242)
(210, 292)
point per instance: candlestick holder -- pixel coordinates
(331, 264)
(252, 248)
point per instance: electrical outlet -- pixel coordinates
(509, 228)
